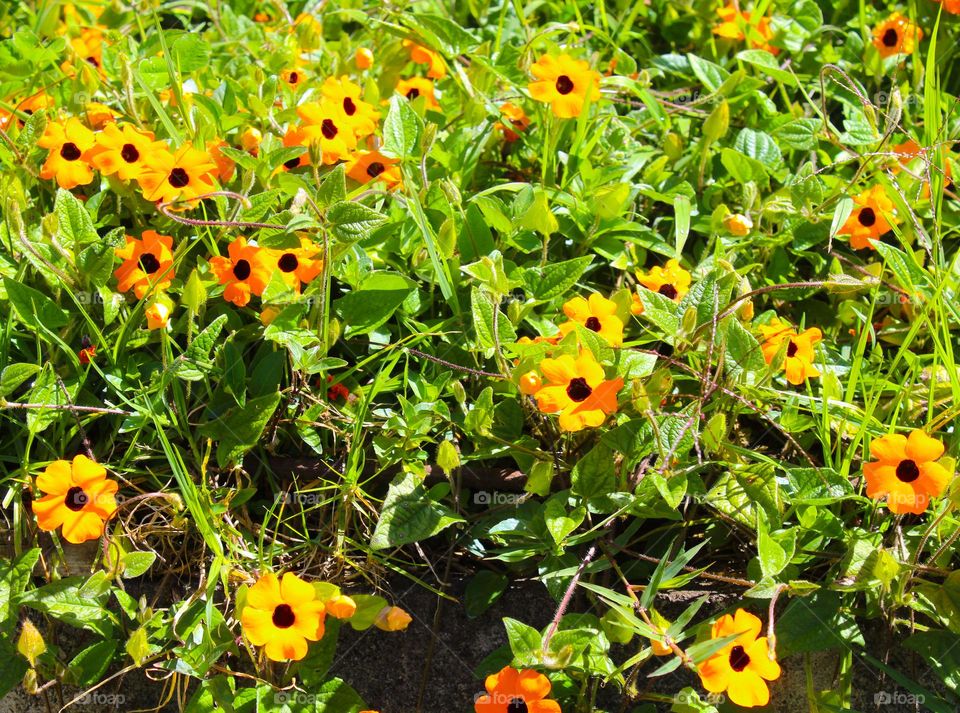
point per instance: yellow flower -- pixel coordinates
(799, 355)
(742, 667)
(598, 314)
(896, 35)
(366, 166)
(341, 606)
(392, 619)
(415, 87)
(147, 263)
(243, 273)
(424, 55)
(293, 77)
(158, 316)
(564, 83)
(124, 150)
(671, 281)
(737, 224)
(326, 124)
(363, 58)
(69, 143)
(577, 391)
(906, 472)
(360, 115)
(282, 616)
(250, 140)
(733, 23)
(296, 265)
(180, 176)
(530, 383)
(873, 215)
(77, 496)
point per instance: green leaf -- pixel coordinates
(410, 515)
(239, 429)
(483, 589)
(742, 168)
(333, 189)
(483, 315)
(351, 221)
(89, 665)
(47, 391)
(14, 375)
(137, 563)
(525, 642)
(373, 302)
(712, 75)
(336, 696)
(759, 146)
(743, 353)
(77, 602)
(594, 474)
(768, 65)
(368, 606)
(195, 363)
(401, 129)
(13, 669)
(34, 308)
(73, 222)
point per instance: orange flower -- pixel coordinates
(742, 667)
(360, 115)
(952, 6)
(297, 265)
(77, 496)
(424, 55)
(510, 690)
(577, 391)
(366, 166)
(124, 150)
(896, 35)
(293, 77)
(147, 264)
(88, 47)
(225, 166)
(100, 115)
(800, 356)
(392, 619)
(244, 273)
(517, 119)
(416, 87)
(733, 24)
(738, 224)
(326, 124)
(28, 106)
(180, 176)
(564, 83)
(906, 472)
(282, 616)
(158, 316)
(87, 352)
(341, 606)
(250, 140)
(597, 314)
(873, 216)
(363, 58)
(671, 281)
(296, 136)
(69, 143)
(530, 383)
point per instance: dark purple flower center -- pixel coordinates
(288, 262)
(867, 217)
(907, 471)
(668, 291)
(564, 84)
(292, 163)
(890, 38)
(375, 169)
(413, 94)
(129, 153)
(241, 270)
(792, 348)
(517, 705)
(149, 263)
(349, 108)
(593, 323)
(70, 152)
(283, 616)
(738, 659)
(178, 178)
(294, 77)
(328, 129)
(578, 389)
(76, 498)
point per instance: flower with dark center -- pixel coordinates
(906, 472)
(799, 359)
(891, 37)
(564, 84)
(413, 94)
(741, 668)
(288, 262)
(516, 691)
(78, 498)
(874, 215)
(375, 169)
(149, 263)
(598, 314)
(129, 153)
(668, 291)
(178, 178)
(867, 217)
(283, 616)
(578, 390)
(70, 152)
(241, 270)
